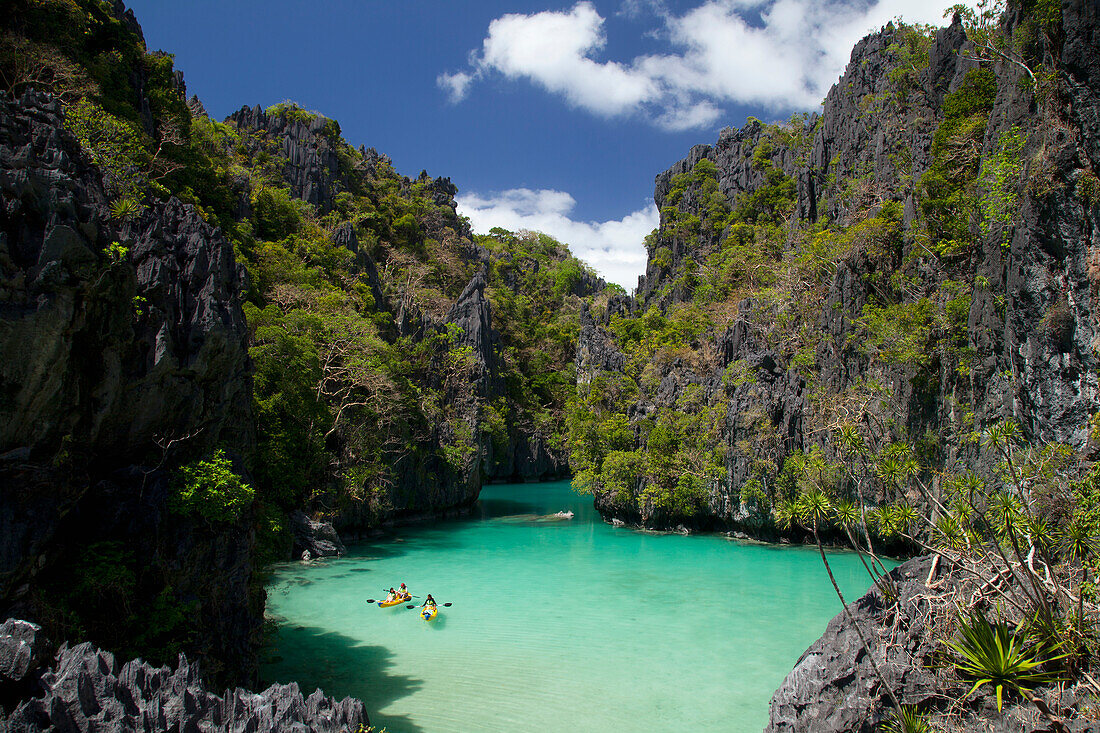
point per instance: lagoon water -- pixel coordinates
(556, 625)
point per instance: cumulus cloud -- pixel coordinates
(778, 54)
(614, 249)
(455, 84)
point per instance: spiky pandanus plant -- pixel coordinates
(994, 653)
(909, 720)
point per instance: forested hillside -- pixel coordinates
(217, 323)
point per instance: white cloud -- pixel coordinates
(779, 54)
(614, 249)
(455, 85)
(552, 49)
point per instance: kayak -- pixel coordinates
(429, 612)
(395, 602)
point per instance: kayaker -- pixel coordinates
(393, 595)
(429, 601)
(405, 592)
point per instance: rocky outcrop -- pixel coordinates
(17, 649)
(472, 313)
(125, 349)
(833, 687)
(306, 143)
(86, 690)
(319, 539)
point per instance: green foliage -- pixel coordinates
(292, 112)
(126, 209)
(288, 414)
(276, 214)
(116, 146)
(993, 653)
(949, 185)
(1088, 186)
(1001, 178)
(900, 333)
(909, 720)
(209, 488)
(117, 252)
(909, 56)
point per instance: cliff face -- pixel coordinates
(117, 360)
(918, 260)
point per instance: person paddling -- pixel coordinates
(392, 596)
(405, 595)
(429, 601)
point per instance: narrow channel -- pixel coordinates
(556, 624)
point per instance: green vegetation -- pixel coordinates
(909, 720)
(211, 489)
(994, 654)
(1001, 177)
(367, 400)
(101, 601)
(821, 372)
(949, 186)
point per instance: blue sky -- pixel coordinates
(546, 115)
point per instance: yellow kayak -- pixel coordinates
(395, 602)
(429, 612)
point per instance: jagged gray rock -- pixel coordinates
(1032, 328)
(87, 690)
(319, 539)
(17, 646)
(307, 143)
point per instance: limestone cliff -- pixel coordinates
(917, 259)
(124, 349)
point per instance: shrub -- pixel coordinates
(992, 653)
(114, 145)
(210, 489)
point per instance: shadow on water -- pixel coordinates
(434, 536)
(489, 508)
(342, 667)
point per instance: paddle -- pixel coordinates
(438, 604)
(372, 600)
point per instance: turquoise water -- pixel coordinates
(556, 625)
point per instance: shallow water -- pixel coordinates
(556, 625)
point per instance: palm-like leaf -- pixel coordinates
(905, 516)
(852, 441)
(126, 208)
(993, 653)
(785, 514)
(1078, 542)
(949, 533)
(847, 514)
(908, 721)
(814, 508)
